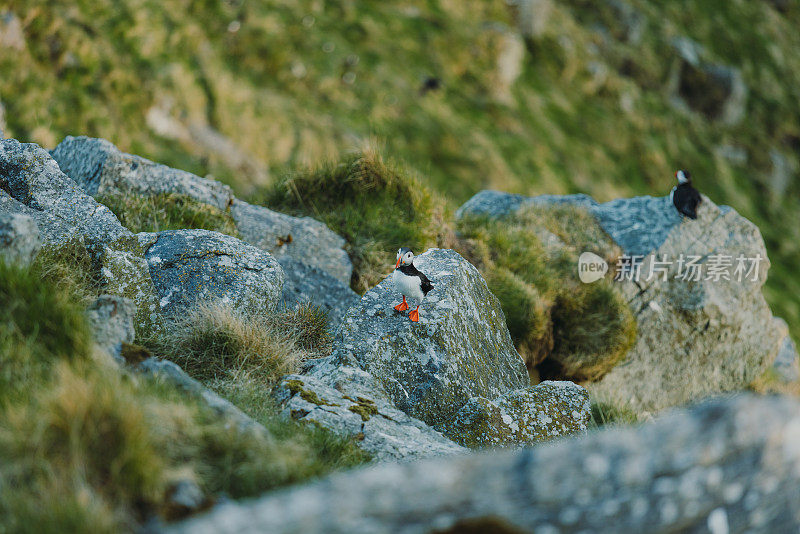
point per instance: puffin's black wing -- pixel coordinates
(686, 199)
(426, 284)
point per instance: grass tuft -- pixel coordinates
(167, 211)
(376, 206)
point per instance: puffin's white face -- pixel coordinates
(404, 256)
(682, 178)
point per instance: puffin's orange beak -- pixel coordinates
(396, 265)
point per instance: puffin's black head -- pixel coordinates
(404, 256)
(683, 177)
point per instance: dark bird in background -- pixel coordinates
(409, 281)
(430, 84)
(684, 197)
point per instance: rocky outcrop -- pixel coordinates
(351, 403)
(101, 169)
(31, 183)
(111, 320)
(302, 238)
(191, 266)
(459, 349)
(696, 337)
(727, 465)
(19, 238)
(306, 284)
(714, 90)
(522, 417)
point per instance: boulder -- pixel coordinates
(727, 465)
(122, 270)
(192, 266)
(306, 284)
(522, 417)
(19, 238)
(111, 320)
(695, 337)
(351, 403)
(459, 349)
(31, 183)
(302, 238)
(714, 90)
(100, 169)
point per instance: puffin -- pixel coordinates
(684, 197)
(409, 281)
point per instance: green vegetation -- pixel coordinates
(292, 84)
(167, 211)
(86, 446)
(606, 413)
(571, 329)
(377, 207)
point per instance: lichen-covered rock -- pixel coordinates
(308, 284)
(459, 349)
(302, 238)
(111, 320)
(695, 337)
(100, 168)
(522, 417)
(124, 271)
(192, 266)
(32, 184)
(19, 238)
(350, 402)
(727, 465)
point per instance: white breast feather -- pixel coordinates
(407, 285)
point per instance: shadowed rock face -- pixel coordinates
(459, 349)
(694, 337)
(191, 266)
(727, 465)
(19, 238)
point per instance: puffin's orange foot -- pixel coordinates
(414, 315)
(403, 306)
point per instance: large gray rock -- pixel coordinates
(306, 284)
(192, 266)
(111, 320)
(522, 417)
(351, 403)
(19, 238)
(100, 168)
(695, 338)
(726, 466)
(302, 238)
(31, 183)
(460, 348)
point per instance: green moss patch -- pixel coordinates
(563, 327)
(376, 206)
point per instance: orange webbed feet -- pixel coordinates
(403, 306)
(414, 315)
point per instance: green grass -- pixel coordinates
(609, 414)
(376, 206)
(167, 211)
(560, 326)
(88, 447)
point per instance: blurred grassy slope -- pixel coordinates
(292, 83)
